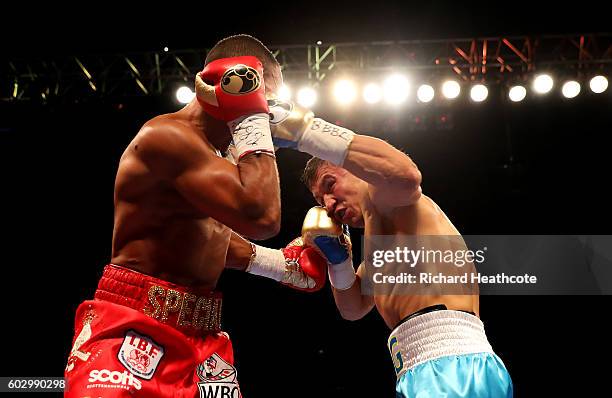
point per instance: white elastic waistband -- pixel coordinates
(434, 335)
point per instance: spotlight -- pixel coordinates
(184, 95)
(570, 89)
(396, 89)
(425, 93)
(284, 93)
(598, 84)
(345, 92)
(306, 97)
(451, 89)
(517, 93)
(372, 93)
(542, 84)
(479, 93)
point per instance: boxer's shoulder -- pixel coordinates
(168, 142)
(163, 129)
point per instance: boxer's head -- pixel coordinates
(235, 46)
(239, 45)
(339, 191)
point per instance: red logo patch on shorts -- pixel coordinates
(140, 354)
(214, 369)
(218, 378)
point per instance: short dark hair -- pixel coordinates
(310, 171)
(239, 45)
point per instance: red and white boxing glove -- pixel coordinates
(233, 90)
(297, 266)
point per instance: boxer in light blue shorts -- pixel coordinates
(440, 353)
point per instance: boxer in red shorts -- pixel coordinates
(154, 326)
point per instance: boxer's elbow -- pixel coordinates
(351, 315)
(353, 312)
(263, 220)
(405, 185)
(414, 195)
(261, 230)
(409, 181)
(267, 227)
(399, 174)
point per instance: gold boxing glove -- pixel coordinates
(333, 242)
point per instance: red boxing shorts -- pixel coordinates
(144, 337)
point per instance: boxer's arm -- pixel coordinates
(296, 266)
(351, 304)
(394, 179)
(239, 253)
(245, 197)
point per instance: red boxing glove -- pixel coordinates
(297, 266)
(229, 88)
(304, 264)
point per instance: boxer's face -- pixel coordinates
(341, 193)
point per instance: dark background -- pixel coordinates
(537, 167)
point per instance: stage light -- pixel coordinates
(396, 89)
(345, 92)
(284, 93)
(479, 93)
(306, 97)
(542, 84)
(451, 89)
(425, 93)
(372, 93)
(598, 84)
(570, 89)
(184, 95)
(517, 93)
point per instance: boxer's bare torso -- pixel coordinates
(420, 219)
(177, 200)
(157, 231)
(378, 189)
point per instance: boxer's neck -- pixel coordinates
(215, 131)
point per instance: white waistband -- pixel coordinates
(436, 334)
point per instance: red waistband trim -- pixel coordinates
(193, 311)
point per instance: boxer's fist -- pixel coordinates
(229, 88)
(232, 89)
(288, 121)
(297, 265)
(329, 238)
(305, 269)
(295, 127)
(333, 242)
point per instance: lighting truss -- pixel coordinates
(491, 60)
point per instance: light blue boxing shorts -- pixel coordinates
(446, 354)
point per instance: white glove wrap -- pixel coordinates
(267, 262)
(342, 276)
(326, 141)
(252, 134)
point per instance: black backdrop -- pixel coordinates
(58, 164)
